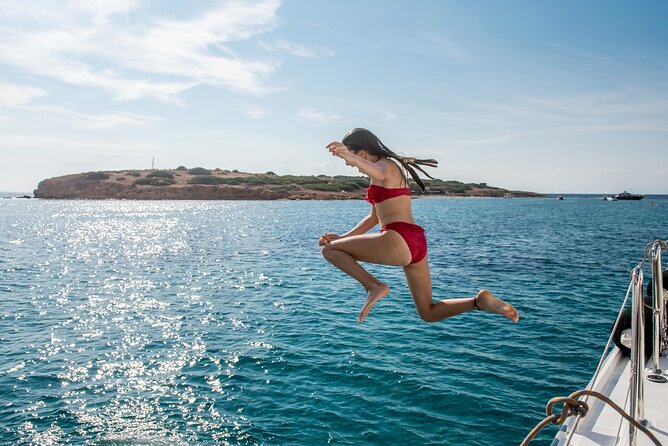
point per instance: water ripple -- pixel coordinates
(180, 323)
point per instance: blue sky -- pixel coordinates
(548, 96)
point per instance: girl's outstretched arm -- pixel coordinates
(377, 172)
(366, 224)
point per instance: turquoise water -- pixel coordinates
(197, 323)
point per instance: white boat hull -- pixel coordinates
(603, 425)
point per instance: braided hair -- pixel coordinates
(362, 139)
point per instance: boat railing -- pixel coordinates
(659, 338)
(636, 417)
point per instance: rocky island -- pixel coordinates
(217, 184)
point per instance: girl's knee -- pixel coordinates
(426, 315)
(428, 318)
(326, 251)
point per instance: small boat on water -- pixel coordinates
(625, 401)
(627, 196)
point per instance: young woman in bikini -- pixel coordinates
(400, 242)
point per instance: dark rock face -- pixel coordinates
(72, 186)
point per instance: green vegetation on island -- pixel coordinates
(339, 183)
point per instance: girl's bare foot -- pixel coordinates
(373, 295)
(488, 302)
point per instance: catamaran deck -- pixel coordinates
(603, 425)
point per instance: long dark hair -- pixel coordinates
(362, 139)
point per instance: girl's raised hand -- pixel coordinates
(337, 148)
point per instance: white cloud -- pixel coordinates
(104, 8)
(294, 49)
(447, 46)
(474, 142)
(96, 121)
(611, 111)
(317, 116)
(619, 110)
(253, 111)
(34, 157)
(20, 97)
(14, 95)
(90, 148)
(386, 115)
(620, 103)
(104, 44)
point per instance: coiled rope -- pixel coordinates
(573, 406)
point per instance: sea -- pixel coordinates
(219, 322)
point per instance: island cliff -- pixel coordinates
(217, 184)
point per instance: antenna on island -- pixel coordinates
(152, 163)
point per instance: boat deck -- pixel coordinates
(603, 425)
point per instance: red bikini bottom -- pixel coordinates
(414, 237)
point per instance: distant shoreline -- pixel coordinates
(218, 184)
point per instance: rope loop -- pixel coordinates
(573, 406)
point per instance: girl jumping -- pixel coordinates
(400, 242)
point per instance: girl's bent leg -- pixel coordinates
(377, 248)
(375, 289)
(419, 283)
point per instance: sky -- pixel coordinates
(562, 96)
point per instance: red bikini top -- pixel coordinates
(377, 194)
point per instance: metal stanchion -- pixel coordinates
(655, 374)
(637, 354)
